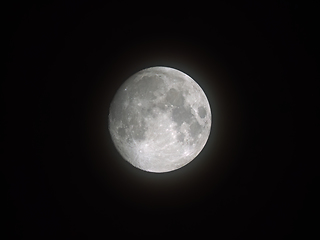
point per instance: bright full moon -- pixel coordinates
(159, 119)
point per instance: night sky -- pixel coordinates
(64, 179)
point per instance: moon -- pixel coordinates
(159, 119)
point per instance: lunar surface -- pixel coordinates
(159, 119)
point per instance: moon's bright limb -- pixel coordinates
(159, 119)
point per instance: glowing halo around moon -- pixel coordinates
(159, 119)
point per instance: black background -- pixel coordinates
(63, 178)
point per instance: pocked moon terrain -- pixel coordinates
(159, 119)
